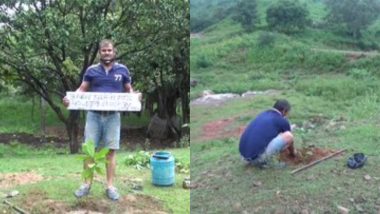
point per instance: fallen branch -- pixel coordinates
(18, 209)
(317, 161)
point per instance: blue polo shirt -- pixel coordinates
(114, 81)
(261, 131)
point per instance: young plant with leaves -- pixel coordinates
(139, 160)
(94, 160)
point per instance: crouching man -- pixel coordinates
(266, 136)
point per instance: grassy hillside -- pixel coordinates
(333, 85)
(223, 59)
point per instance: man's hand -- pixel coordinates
(139, 94)
(65, 101)
(293, 153)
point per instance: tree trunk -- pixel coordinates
(72, 128)
(32, 110)
(185, 102)
(165, 123)
(43, 118)
(149, 104)
(158, 128)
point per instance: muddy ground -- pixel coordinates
(221, 129)
(305, 155)
(37, 201)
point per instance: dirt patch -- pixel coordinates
(305, 155)
(92, 204)
(13, 179)
(221, 129)
(128, 204)
(36, 141)
(142, 204)
(37, 201)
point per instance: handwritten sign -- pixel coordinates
(103, 101)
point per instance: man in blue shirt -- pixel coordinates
(103, 127)
(267, 135)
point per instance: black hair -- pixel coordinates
(282, 105)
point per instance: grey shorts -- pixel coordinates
(274, 147)
(103, 129)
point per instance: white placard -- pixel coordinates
(103, 101)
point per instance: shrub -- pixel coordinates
(181, 166)
(266, 39)
(203, 62)
(246, 14)
(287, 16)
(360, 74)
(139, 160)
(352, 16)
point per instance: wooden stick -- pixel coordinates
(317, 161)
(18, 209)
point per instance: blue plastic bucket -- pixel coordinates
(163, 168)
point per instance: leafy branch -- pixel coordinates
(93, 160)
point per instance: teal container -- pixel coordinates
(163, 168)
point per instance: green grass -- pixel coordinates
(19, 114)
(61, 176)
(61, 171)
(334, 91)
(230, 187)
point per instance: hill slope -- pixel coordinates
(333, 85)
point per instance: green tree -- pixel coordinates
(207, 13)
(352, 16)
(166, 73)
(50, 44)
(246, 14)
(287, 16)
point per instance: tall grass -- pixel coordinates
(21, 114)
(336, 88)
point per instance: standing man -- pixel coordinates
(103, 127)
(267, 135)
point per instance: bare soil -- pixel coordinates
(305, 155)
(221, 129)
(13, 179)
(37, 201)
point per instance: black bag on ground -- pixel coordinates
(356, 161)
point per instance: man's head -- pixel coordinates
(282, 106)
(107, 52)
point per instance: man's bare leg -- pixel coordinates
(288, 137)
(111, 166)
